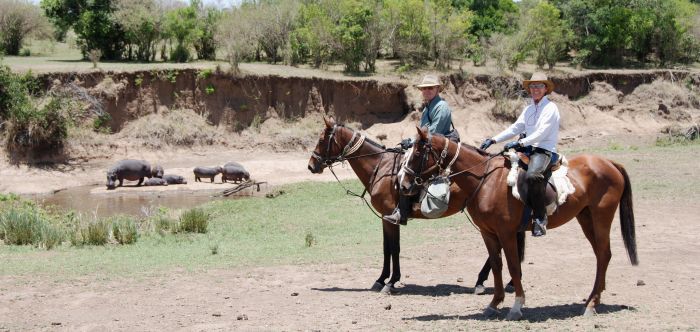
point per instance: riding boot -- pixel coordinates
(401, 212)
(536, 191)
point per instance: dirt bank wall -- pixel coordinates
(238, 102)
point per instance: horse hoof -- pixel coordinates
(491, 312)
(590, 312)
(514, 315)
(510, 289)
(388, 290)
(479, 290)
(376, 287)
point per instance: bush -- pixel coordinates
(95, 232)
(124, 230)
(38, 129)
(27, 225)
(180, 54)
(194, 221)
(27, 126)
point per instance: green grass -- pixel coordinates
(310, 223)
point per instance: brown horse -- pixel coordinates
(377, 167)
(601, 186)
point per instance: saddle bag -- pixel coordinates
(436, 198)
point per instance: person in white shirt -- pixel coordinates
(539, 121)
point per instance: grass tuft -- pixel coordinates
(124, 229)
(194, 221)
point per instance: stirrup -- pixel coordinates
(393, 218)
(539, 227)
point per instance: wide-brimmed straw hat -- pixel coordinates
(539, 77)
(429, 81)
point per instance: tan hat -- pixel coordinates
(539, 77)
(428, 81)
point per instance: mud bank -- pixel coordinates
(236, 101)
(239, 101)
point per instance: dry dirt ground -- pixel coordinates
(436, 290)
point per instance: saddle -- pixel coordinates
(558, 184)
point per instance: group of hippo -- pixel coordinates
(138, 170)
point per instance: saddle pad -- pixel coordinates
(559, 180)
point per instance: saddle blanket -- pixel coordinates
(559, 180)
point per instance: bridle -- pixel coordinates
(440, 159)
(347, 150)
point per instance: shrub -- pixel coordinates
(33, 128)
(194, 221)
(124, 230)
(95, 232)
(26, 224)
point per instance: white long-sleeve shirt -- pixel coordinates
(540, 122)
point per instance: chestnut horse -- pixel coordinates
(377, 168)
(601, 186)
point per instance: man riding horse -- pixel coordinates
(539, 121)
(437, 116)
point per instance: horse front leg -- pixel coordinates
(386, 267)
(494, 248)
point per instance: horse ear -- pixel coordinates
(330, 121)
(422, 132)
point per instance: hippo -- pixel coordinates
(157, 171)
(174, 179)
(128, 169)
(235, 172)
(155, 182)
(206, 172)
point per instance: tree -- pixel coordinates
(142, 21)
(408, 30)
(181, 23)
(312, 38)
(352, 33)
(490, 16)
(545, 33)
(237, 35)
(449, 30)
(19, 19)
(207, 23)
(93, 22)
(275, 24)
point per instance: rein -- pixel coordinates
(344, 156)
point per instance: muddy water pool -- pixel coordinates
(139, 204)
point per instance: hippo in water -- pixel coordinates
(155, 182)
(174, 179)
(128, 169)
(206, 172)
(235, 172)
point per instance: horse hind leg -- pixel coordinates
(598, 234)
(511, 250)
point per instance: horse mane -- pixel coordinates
(471, 147)
(367, 139)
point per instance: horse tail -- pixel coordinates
(627, 217)
(521, 245)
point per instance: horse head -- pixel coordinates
(329, 148)
(425, 160)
